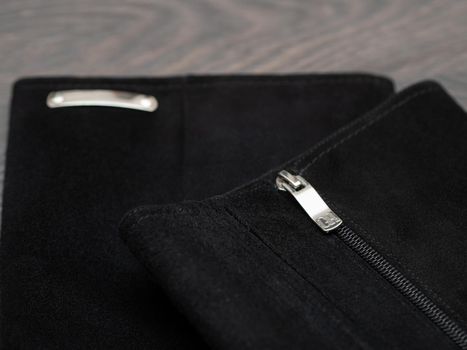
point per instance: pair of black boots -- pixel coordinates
(166, 229)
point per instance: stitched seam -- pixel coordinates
(249, 229)
(372, 119)
(152, 213)
(368, 124)
(234, 234)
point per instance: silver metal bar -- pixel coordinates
(105, 98)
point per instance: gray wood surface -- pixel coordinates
(408, 40)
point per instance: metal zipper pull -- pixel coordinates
(309, 199)
(103, 98)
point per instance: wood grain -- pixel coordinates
(408, 40)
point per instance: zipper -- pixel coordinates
(329, 222)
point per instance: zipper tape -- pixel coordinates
(328, 221)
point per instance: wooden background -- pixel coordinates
(409, 40)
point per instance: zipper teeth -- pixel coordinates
(407, 288)
(328, 221)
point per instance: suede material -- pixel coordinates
(251, 270)
(271, 285)
(400, 180)
(68, 281)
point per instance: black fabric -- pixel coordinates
(400, 179)
(68, 281)
(251, 270)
